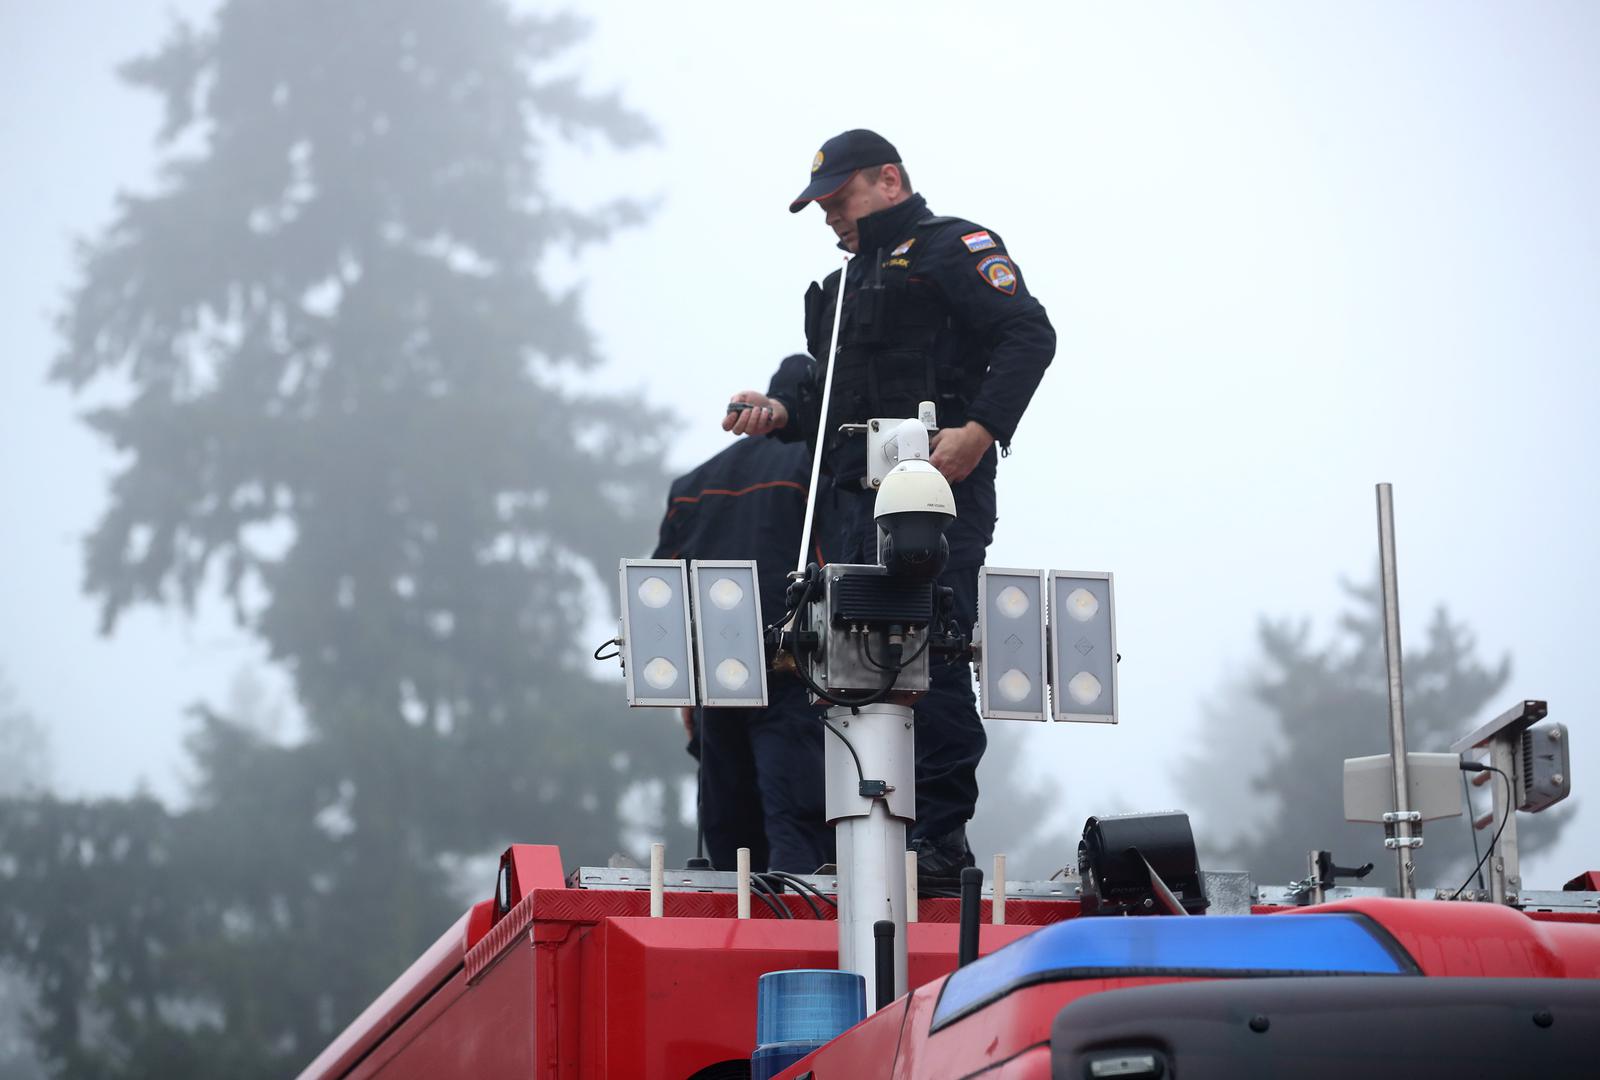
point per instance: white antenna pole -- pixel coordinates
(822, 423)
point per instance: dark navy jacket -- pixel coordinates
(747, 502)
(934, 309)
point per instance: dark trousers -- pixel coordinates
(950, 737)
(761, 783)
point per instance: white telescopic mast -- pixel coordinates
(822, 422)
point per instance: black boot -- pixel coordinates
(940, 861)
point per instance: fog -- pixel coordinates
(1290, 252)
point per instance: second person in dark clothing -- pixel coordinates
(761, 770)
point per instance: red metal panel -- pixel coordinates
(486, 1029)
(1010, 1037)
(591, 906)
(579, 984)
(1588, 881)
(1018, 912)
(511, 928)
(480, 917)
(1481, 939)
(524, 868)
(537, 866)
(680, 994)
(554, 1014)
(869, 1048)
(932, 949)
(427, 974)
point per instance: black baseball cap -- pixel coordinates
(839, 159)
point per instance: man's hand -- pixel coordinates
(955, 452)
(688, 722)
(764, 414)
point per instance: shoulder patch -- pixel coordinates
(998, 272)
(978, 241)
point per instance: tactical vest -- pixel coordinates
(898, 345)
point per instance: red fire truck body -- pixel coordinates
(555, 981)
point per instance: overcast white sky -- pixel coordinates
(1290, 251)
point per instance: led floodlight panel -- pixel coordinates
(727, 633)
(656, 660)
(1012, 671)
(1083, 648)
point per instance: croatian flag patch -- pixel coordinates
(978, 241)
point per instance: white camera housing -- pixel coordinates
(914, 487)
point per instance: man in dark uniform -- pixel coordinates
(934, 309)
(761, 771)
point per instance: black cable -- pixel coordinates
(777, 909)
(866, 652)
(1472, 828)
(810, 684)
(801, 883)
(758, 881)
(860, 772)
(1473, 766)
(873, 698)
(834, 699)
(805, 677)
(812, 581)
(762, 889)
(772, 876)
(609, 655)
(759, 890)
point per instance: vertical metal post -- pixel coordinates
(1505, 868)
(1397, 711)
(871, 832)
(1315, 894)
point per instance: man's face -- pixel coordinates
(855, 201)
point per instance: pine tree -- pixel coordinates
(1267, 784)
(343, 394)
